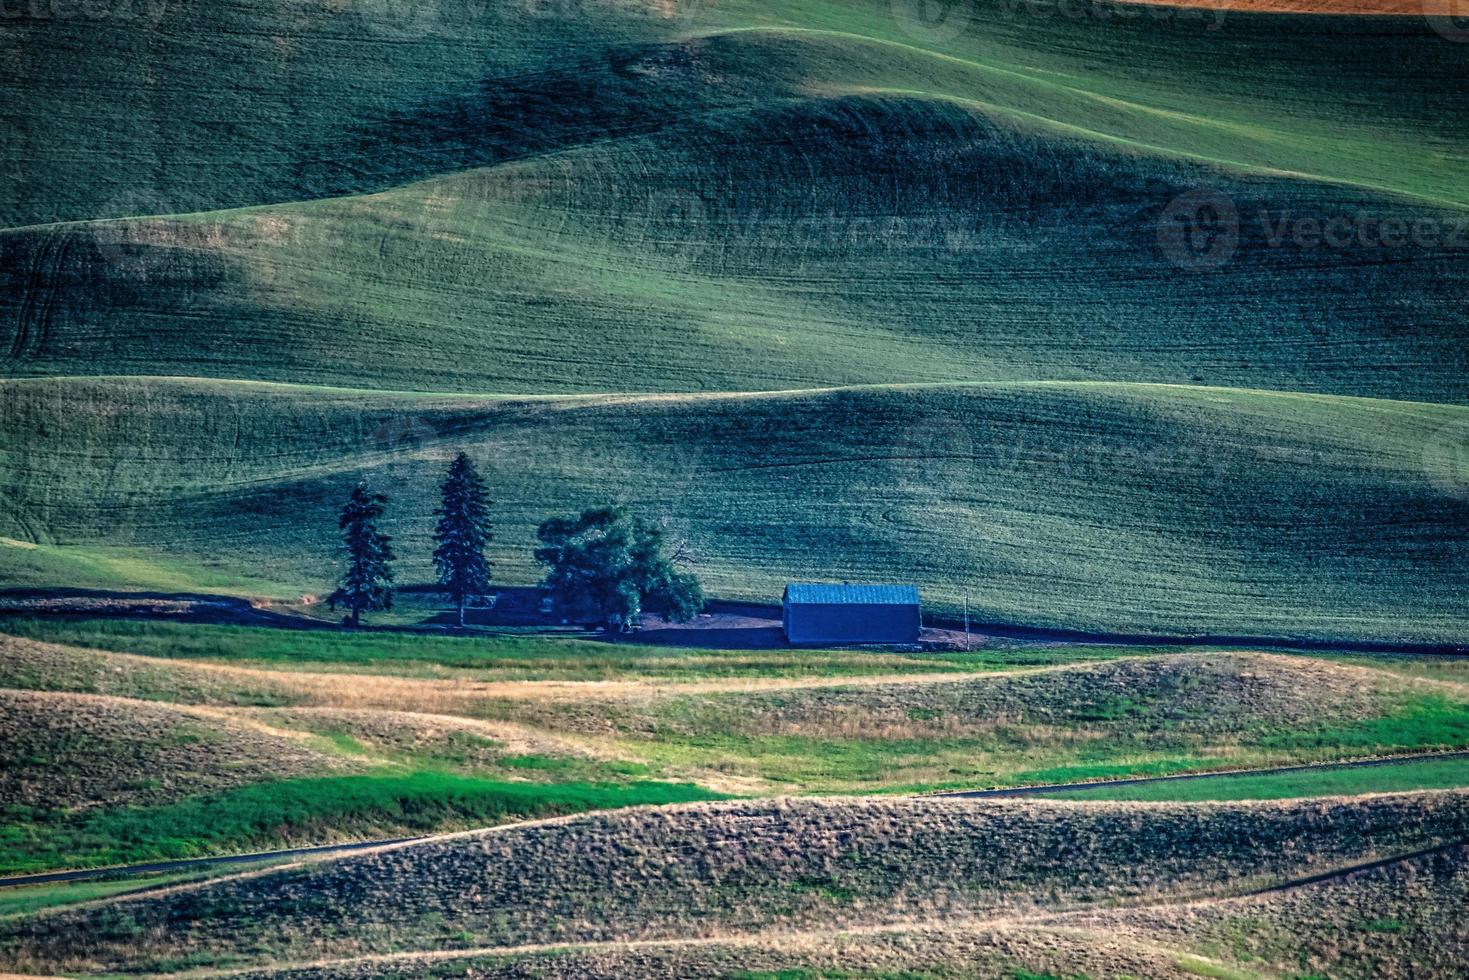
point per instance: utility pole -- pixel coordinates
(966, 621)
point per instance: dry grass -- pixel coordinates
(804, 734)
(974, 888)
(1199, 690)
(997, 950)
(1203, 694)
(1399, 922)
(1405, 920)
(74, 750)
(396, 733)
(34, 664)
(711, 870)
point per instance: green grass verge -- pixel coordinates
(525, 657)
(508, 657)
(1401, 777)
(1059, 742)
(24, 899)
(1423, 721)
(298, 812)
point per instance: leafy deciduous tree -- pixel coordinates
(606, 567)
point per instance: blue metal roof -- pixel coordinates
(816, 593)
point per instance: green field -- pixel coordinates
(389, 94)
(1106, 506)
(830, 290)
(832, 296)
(1010, 251)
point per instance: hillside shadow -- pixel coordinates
(630, 90)
(184, 607)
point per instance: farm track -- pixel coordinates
(167, 867)
(159, 867)
(224, 610)
(1041, 790)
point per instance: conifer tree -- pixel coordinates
(367, 583)
(462, 533)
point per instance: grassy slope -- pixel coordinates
(768, 731)
(805, 196)
(1395, 923)
(100, 780)
(1154, 716)
(839, 240)
(1110, 506)
(437, 88)
(16, 902)
(303, 812)
(76, 751)
(711, 869)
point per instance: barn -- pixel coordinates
(817, 613)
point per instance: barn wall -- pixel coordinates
(851, 623)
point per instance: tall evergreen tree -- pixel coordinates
(462, 533)
(367, 584)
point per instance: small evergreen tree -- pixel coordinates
(462, 533)
(606, 567)
(367, 584)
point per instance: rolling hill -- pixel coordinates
(79, 751)
(1128, 319)
(1390, 922)
(1143, 508)
(1069, 714)
(935, 275)
(712, 870)
(238, 739)
(840, 239)
(198, 107)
